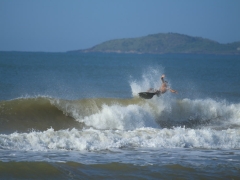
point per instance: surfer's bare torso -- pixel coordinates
(164, 87)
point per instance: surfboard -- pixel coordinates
(148, 95)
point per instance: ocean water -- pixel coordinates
(78, 116)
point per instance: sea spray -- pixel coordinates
(150, 79)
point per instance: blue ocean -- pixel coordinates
(79, 116)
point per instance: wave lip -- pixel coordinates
(25, 114)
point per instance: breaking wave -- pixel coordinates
(44, 123)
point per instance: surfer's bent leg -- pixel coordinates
(162, 79)
(158, 93)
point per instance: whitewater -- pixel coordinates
(113, 123)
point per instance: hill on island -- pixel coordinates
(164, 43)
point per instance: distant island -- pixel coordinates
(165, 43)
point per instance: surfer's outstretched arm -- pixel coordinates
(173, 91)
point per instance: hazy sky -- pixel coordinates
(62, 25)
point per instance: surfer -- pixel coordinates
(151, 92)
(163, 88)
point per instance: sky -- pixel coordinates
(61, 25)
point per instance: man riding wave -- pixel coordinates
(163, 88)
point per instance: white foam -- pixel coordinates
(120, 117)
(92, 139)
